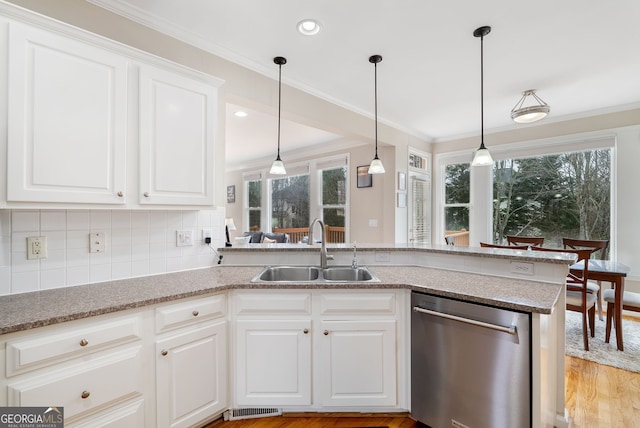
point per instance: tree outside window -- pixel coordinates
(334, 196)
(290, 201)
(456, 194)
(555, 196)
(254, 193)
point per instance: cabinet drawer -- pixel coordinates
(357, 303)
(129, 415)
(84, 387)
(63, 342)
(273, 303)
(184, 313)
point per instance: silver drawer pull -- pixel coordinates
(164, 352)
(120, 194)
(85, 394)
(195, 313)
(146, 194)
(326, 332)
(510, 329)
(84, 342)
(305, 331)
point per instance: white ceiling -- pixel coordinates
(581, 55)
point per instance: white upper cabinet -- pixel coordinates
(177, 115)
(94, 123)
(67, 111)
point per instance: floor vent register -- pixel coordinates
(250, 413)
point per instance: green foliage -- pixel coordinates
(554, 196)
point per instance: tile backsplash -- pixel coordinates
(138, 243)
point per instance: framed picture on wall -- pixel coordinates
(364, 178)
(231, 194)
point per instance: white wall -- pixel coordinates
(138, 243)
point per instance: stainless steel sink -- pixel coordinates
(315, 274)
(347, 274)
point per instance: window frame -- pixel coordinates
(481, 180)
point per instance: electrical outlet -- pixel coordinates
(184, 238)
(206, 233)
(36, 247)
(96, 242)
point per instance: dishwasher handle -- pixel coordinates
(510, 329)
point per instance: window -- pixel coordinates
(457, 181)
(290, 201)
(334, 202)
(317, 188)
(555, 196)
(254, 202)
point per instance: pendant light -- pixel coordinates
(277, 168)
(482, 156)
(376, 166)
(532, 113)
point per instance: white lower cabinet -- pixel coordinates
(273, 362)
(319, 350)
(91, 368)
(190, 375)
(191, 361)
(358, 363)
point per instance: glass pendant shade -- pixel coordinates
(277, 167)
(482, 157)
(376, 166)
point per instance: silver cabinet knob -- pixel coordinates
(305, 331)
(326, 332)
(164, 352)
(146, 194)
(84, 342)
(195, 313)
(85, 394)
(120, 194)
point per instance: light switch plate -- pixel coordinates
(97, 242)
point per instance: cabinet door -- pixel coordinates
(191, 375)
(67, 120)
(358, 363)
(177, 115)
(273, 364)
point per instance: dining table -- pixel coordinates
(615, 273)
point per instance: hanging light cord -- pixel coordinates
(482, 92)
(375, 101)
(279, 102)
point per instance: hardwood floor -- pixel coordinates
(597, 396)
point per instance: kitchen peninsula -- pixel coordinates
(62, 339)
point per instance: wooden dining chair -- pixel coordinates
(534, 241)
(507, 247)
(579, 299)
(630, 302)
(594, 246)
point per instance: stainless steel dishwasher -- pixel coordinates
(470, 364)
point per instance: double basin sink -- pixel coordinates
(315, 274)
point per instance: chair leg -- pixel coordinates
(609, 319)
(592, 321)
(585, 334)
(599, 301)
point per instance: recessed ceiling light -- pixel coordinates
(240, 113)
(308, 27)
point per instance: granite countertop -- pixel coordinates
(30, 310)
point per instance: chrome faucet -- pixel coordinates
(354, 261)
(323, 249)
